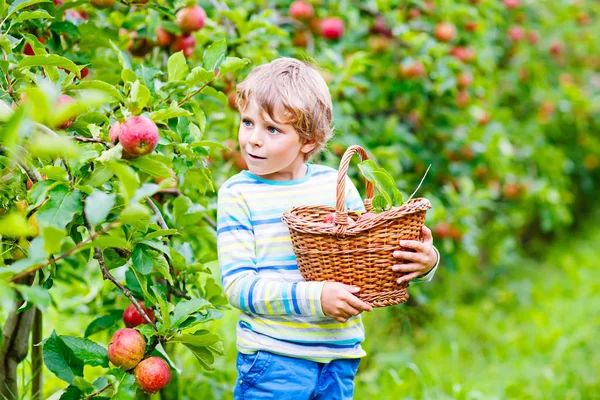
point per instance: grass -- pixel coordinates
(532, 334)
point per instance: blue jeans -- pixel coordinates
(265, 375)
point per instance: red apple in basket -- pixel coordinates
(366, 216)
(330, 219)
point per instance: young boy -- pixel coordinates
(296, 339)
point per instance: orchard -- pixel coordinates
(118, 124)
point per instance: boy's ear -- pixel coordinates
(308, 146)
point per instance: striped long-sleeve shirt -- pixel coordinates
(280, 312)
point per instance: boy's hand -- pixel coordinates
(422, 260)
(339, 302)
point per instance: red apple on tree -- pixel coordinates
(464, 54)
(464, 80)
(62, 101)
(185, 43)
(516, 33)
(300, 9)
(152, 374)
(445, 31)
(414, 70)
(332, 28)
(512, 3)
(138, 136)
(131, 316)
(28, 50)
(163, 37)
(126, 348)
(190, 19)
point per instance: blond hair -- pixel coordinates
(300, 89)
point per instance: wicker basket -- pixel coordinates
(359, 254)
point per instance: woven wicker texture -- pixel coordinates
(357, 254)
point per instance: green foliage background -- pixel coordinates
(511, 133)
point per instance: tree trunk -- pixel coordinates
(14, 349)
(37, 364)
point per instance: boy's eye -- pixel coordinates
(273, 130)
(246, 122)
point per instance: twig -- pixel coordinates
(161, 220)
(99, 391)
(420, 183)
(177, 192)
(30, 173)
(65, 254)
(92, 140)
(9, 88)
(107, 275)
(189, 96)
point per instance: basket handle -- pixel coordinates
(341, 184)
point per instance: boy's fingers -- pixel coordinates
(351, 288)
(358, 304)
(427, 237)
(409, 277)
(407, 267)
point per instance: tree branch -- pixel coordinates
(161, 220)
(92, 140)
(189, 96)
(99, 391)
(65, 254)
(107, 275)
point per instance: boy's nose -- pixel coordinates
(255, 138)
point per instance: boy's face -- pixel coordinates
(272, 151)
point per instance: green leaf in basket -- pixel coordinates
(384, 182)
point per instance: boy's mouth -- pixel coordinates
(256, 157)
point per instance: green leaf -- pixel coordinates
(147, 189)
(14, 225)
(151, 167)
(102, 174)
(9, 134)
(101, 86)
(49, 60)
(163, 308)
(53, 237)
(161, 233)
(232, 64)
(204, 356)
(214, 54)
(72, 392)
(60, 208)
(184, 309)
(123, 59)
(135, 214)
(104, 322)
(89, 352)
(105, 241)
(98, 206)
(28, 15)
(142, 260)
(38, 192)
(158, 246)
(199, 76)
(140, 95)
(202, 338)
(177, 67)
(383, 181)
(379, 202)
(35, 295)
(168, 113)
(61, 360)
(127, 179)
(162, 267)
(21, 4)
(126, 388)
(56, 173)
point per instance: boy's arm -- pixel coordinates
(243, 287)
